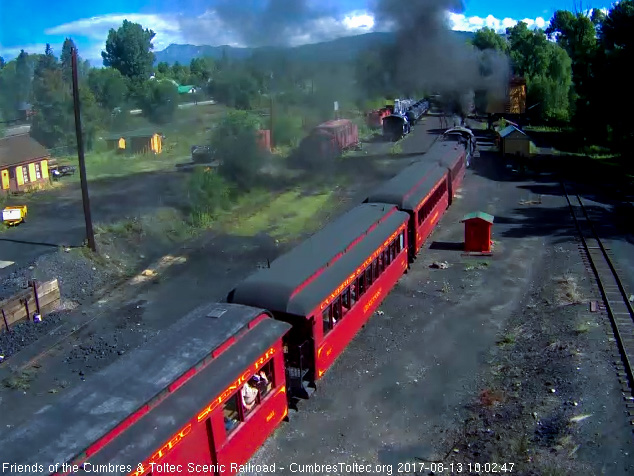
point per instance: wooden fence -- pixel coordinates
(38, 298)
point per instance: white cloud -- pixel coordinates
(90, 33)
(462, 22)
(11, 52)
(209, 29)
(96, 29)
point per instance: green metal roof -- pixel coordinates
(149, 132)
(184, 89)
(481, 215)
(509, 130)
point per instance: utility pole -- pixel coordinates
(90, 235)
(271, 116)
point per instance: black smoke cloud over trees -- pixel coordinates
(269, 23)
(429, 56)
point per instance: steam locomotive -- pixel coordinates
(405, 114)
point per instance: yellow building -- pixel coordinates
(145, 143)
(23, 163)
(116, 142)
(515, 142)
(136, 142)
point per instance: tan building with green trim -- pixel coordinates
(23, 163)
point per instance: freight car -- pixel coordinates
(201, 397)
(330, 139)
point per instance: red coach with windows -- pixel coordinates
(329, 286)
(421, 190)
(179, 400)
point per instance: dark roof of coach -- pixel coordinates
(409, 188)
(446, 152)
(272, 288)
(86, 413)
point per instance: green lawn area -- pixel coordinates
(283, 217)
(187, 129)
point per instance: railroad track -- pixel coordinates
(615, 297)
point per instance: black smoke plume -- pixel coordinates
(266, 22)
(429, 56)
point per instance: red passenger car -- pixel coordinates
(422, 191)
(329, 286)
(454, 151)
(180, 400)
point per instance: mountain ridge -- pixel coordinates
(340, 49)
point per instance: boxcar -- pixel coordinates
(330, 139)
(329, 286)
(177, 401)
(421, 190)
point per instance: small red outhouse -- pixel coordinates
(477, 232)
(264, 140)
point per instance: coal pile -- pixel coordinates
(25, 333)
(79, 279)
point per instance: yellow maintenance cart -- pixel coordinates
(14, 215)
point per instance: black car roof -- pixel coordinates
(299, 280)
(407, 189)
(60, 432)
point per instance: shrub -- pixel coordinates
(235, 142)
(208, 194)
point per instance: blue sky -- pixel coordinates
(194, 21)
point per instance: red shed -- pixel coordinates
(264, 140)
(477, 232)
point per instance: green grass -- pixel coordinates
(283, 217)
(542, 129)
(187, 129)
(507, 339)
(396, 149)
(20, 381)
(166, 224)
(101, 165)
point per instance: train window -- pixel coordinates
(381, 260)
(250, 394)
(266, 384)
(353, 293)
(375, 267)
(231, 415)
(345, 300)
(393, 250)
(326, 316)
(361, 284)
(336, 311)
(368, 276)
(399, 243)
